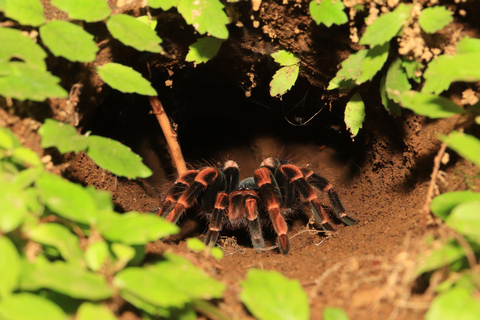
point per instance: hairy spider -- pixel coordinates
(271, 195)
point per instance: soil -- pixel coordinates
(222, 110)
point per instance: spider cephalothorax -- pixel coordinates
(275, 189)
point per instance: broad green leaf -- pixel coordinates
(67, 199)
(163, 4)
(468, 45)
(125, 79)
(6, 141)
(65, 39)
(434, 82)
(23, 81)
(117, 158)
(69, 279)
(391, 106)
(102, 198)
(150, 21)
(124, 253)
(434, 19)
(328, 12)
(396, 81)
(330, 313)
(355, 114)
(429, 105)
(350, 70)
(96, 254)
(457, 303)
(387, 26)
(17, 45)
(59, 237)
(14, 142)
(27, 12)
(172, 282)
(217, 253)
(283, 80)
(285, 58)
(465, 145)
(268, 295)
(412, 67)
(87, 10)
(9, 267)
(446, 254)
(203, 50)
(195, 244)
(90, 311)
(443, 204)
(460, 67)
(14, 207)
(206, 16)
(135, 228)
(26, 157)
(28, 306)
(134, 33)
(373, 62)
(465, 219)
(62, 136)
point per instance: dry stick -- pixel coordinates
(170, 135)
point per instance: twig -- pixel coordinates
(170, 135)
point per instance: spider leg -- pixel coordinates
(295, 176)
(216, 220)
(271, 196)
(323, 184)
(180, 185)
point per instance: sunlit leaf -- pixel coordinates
(123, 252)
(90, 311)
(355, 114)
(460, 67)
(87, 10)
(396, 81)
(465, 219)
(285, 58)
(373, 62)
(17, 45)
(150, 21)
(14, 207)
(331, 313)
(387, 26)
(96, 254)
(68, 40)
(434, 82)
(434, 19)
(195, 244)
(268, 295)
(163, 4)
(62, 136)
(125, 79)
(26, 157)
(448, 253)
(217, 253)
(27, 12)
(391, 106)
(206, 16)
(283, 80)
(465, 145)
(443, 204)
(27, 306)
(9, 267)
(134, 33)
(350, 70)
(117, 158)
(203, 50)
(328, 12)
(412, 67)
(468, 45)
(457, 303)
(429, 105)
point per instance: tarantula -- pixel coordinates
(269, 196)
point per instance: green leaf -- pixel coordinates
(434, 19)
(350, 70)
(115, 157)
(150, 21)
(65, 39)
(203, 50)
(465, 219)
(445, 255)
(14, 206)
(9, 267)
(443, 204)
(457, 303)
(285, 58)
(135, 228)
(17, 45)
(373, 62)
(8, 140)
(468, 45)
(269, 295)
(396, 81)
(283, 80)
(217, 253)
(27, 12)
(355, 114)
(465, 145)
(429, 105)
(96, 254)
(330, 313)
(67, 199)
(460, 67)
(434, 82)
(391, 106)
(195, 244)
(89, 311)
(412, 67)
(87, 10)
(27, 306)
(124, 253)
(59, 237)
(328, 12)
(134, 33)
(26, 157)
(172, 282)
(387, 26)
(22, 81)
(62, 136)
(163, 4)
(68, 279)
(206, 16)
(125, 79)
